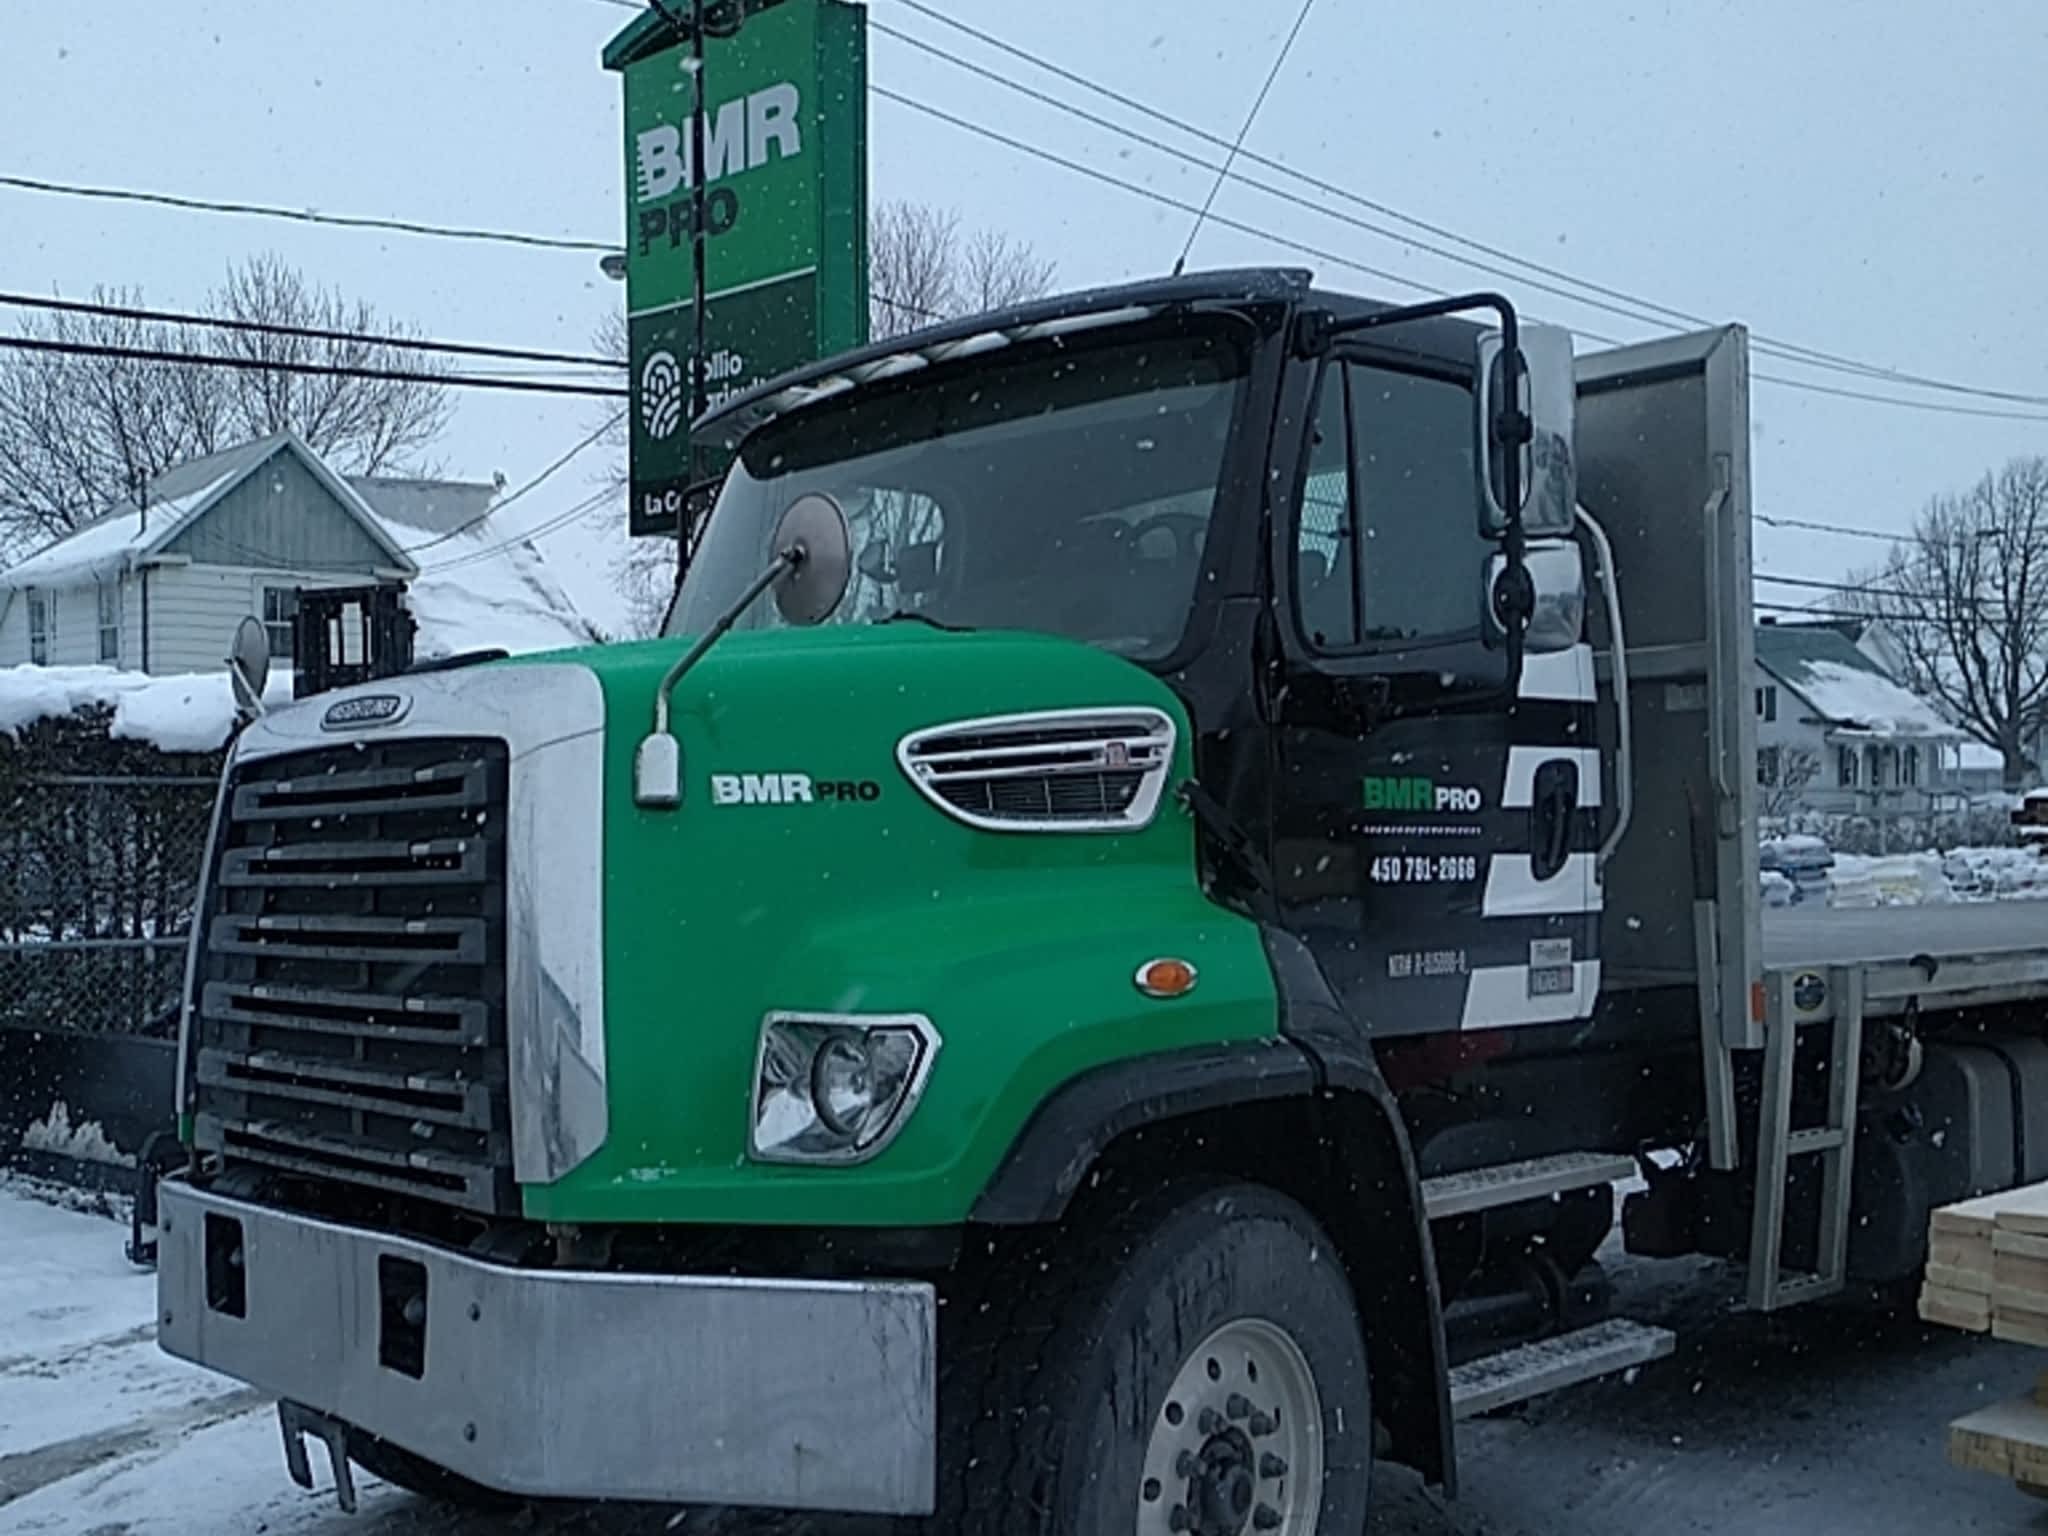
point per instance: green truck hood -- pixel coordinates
(1020, 947)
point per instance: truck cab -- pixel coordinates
(1081, 939)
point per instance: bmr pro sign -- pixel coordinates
(785, 214)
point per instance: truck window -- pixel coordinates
(1066, 490)
(1404, 473)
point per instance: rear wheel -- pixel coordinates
(1198, 1368)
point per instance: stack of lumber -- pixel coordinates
(2008, 1439)
(1987, 1266)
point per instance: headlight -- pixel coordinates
(835, 1089)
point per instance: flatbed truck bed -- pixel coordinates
(1824, 936)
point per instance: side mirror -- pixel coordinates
(1548, 395)
(1553, 581)
(814, 532)
(249, 665)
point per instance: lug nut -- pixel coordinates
(1185, 1465)
(1265, 1518)
(1209, 1422)
(1177, 1519)
(1262, 1426)
(1238, 1406)
(1271, 1465)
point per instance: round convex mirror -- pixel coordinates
(814, 529)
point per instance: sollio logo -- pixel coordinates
(1384, 793)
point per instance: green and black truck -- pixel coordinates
(1180, 839)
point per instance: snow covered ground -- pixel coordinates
(1827, 1422)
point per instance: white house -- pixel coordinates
(1837, 735)
(160, 587)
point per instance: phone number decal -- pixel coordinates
(1413, 869)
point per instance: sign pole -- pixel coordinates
(699, 361)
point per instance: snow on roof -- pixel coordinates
(1843, 685)
(189, 713)
(1975, 757)
(481, 589)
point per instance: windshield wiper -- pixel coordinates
(904, 615)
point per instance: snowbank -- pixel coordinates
(476, 592)
(86, 1141)
(191, 713)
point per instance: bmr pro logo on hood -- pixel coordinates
(789, 789)
(1385, 793)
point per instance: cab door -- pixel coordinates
(1432, 832)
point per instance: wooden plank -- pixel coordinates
(2023, 1210)
(1966, 1218)
(1955, 1309)
(2020, 1245)
(2019, 1325)
(2011, 1273)
(2008, 1439)
(1944, 1277)
(1964, 1253)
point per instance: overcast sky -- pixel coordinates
(1862, 178)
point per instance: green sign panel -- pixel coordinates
(785, 215)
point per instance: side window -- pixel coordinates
(280, 607)
(1325, 568)
(1423, 559)
(110, 621)
(39, 629)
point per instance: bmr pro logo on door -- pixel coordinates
(1415, 793)
(790, 789)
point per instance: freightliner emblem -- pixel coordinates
(369, 709)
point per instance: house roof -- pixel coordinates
(438, 506)
(126, 537)
(1842, 685)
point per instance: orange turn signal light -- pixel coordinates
(1165, 978)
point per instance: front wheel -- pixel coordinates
(1199, 1368)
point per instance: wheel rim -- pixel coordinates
(1238, 1442)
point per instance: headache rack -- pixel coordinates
(349, 1018)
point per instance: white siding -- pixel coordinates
(13, 627)
(194, 609)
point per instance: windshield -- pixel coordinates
(1068, 491)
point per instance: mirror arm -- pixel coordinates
(788, 560)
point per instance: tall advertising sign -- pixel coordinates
(785, 215)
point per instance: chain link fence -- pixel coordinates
(101, 843)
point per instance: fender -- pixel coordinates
(1070, 1130)
(1388, 1246)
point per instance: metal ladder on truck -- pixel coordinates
(1562, 1360)
(1792, 1001)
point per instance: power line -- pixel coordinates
(1791, 351)
(1813, 527)
(554, 524)
(321, 370)
(303, 332)
(1237, 145)
(307, 215)
(532, 485)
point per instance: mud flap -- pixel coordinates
(296, 1422)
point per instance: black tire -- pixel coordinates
(1057, 1381)
(417, 1475)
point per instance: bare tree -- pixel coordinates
(1795, 769)
(921, 269)
(1966, 599)
(79, 431)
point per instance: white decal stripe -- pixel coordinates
(1523, 762)
(1497, 995)
(1566, 675)
(1512, 889)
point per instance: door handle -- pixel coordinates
(1552, 808)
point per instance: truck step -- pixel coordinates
(1483, 1189)
(1549, 1365)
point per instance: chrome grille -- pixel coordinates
(1067, 770)
(350, 1005)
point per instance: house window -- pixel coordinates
(1873, 763)
(1845, 767)
(1909, 760)
(39, 629)
(1767, 703)
(1767, 767)
(280, 607)
(110, 622)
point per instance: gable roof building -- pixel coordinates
(159, 586)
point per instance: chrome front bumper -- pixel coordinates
(798, 1394)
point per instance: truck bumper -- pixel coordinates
(797, 1394)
